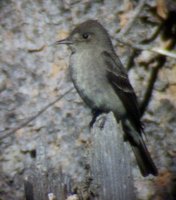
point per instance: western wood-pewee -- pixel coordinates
(102, 82)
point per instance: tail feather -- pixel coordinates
(144, 160)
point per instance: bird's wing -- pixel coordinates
(117, 76)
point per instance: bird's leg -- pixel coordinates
(95, 114)
(103, 120)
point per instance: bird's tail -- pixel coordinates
(143, 158)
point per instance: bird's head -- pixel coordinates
(88, 34)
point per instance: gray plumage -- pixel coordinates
(102, 82)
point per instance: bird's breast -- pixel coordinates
(88, 74)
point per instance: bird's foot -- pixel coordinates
(102, 121)
(95, 114)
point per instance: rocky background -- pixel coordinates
(40, 121)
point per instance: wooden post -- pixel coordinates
(108, 176)
(110, 162)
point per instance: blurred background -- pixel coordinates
(34, 73)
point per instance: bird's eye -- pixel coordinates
(85, 35)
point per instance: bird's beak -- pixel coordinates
(64, 41)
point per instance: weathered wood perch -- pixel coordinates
(110, 162)
(109, 170)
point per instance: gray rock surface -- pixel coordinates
(33, 73)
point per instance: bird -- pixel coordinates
(102, 82)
